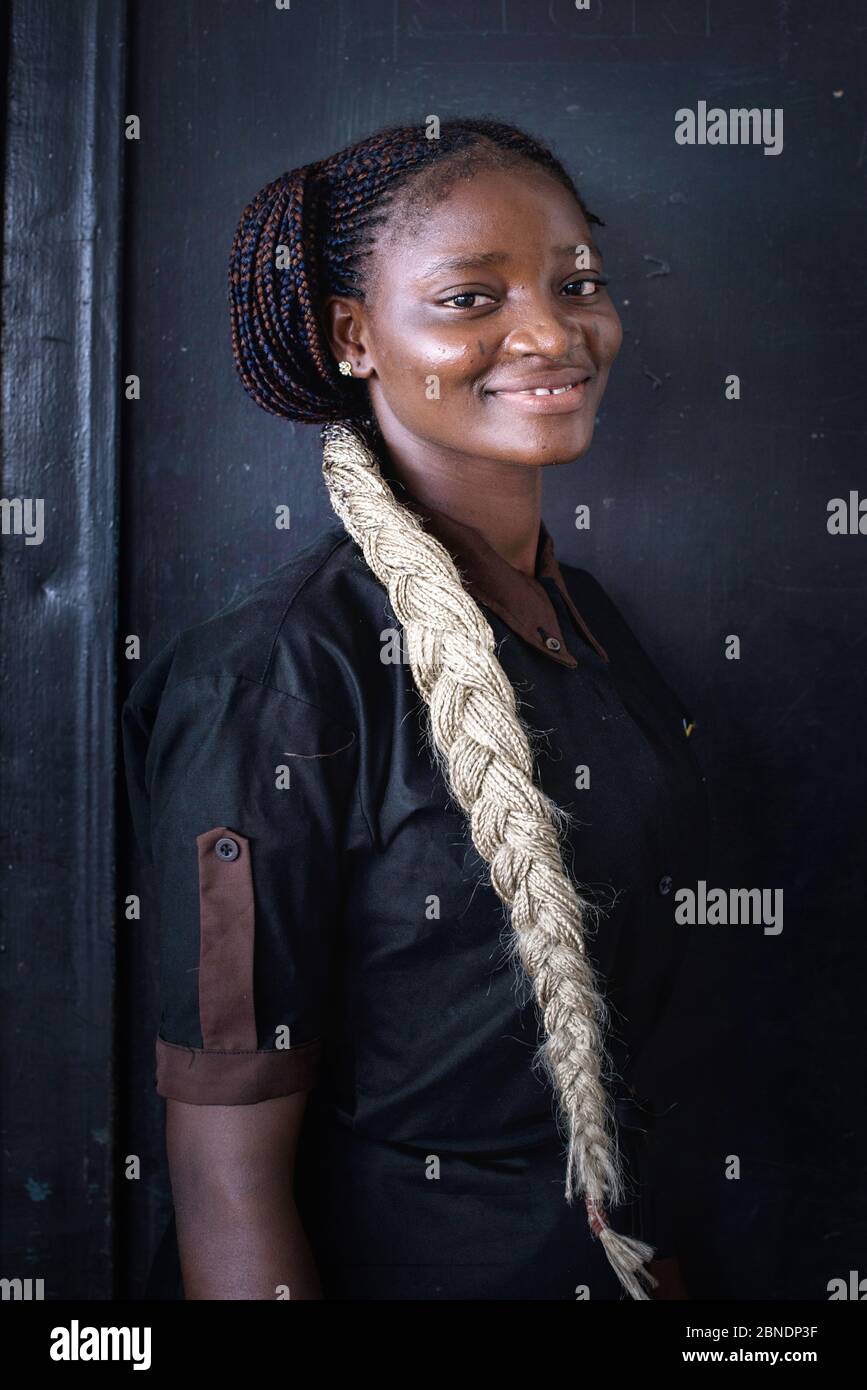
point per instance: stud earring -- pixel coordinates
(346, 367)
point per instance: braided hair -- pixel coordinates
(307, 235)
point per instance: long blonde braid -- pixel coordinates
(484, 754)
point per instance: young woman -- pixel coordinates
(417, 806)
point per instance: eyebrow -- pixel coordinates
(476, 258)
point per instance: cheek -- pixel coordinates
(611, 337)
(414, 353)
(604, 336)
(452, 352)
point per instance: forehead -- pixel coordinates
(517, 214)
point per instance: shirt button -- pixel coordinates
(665, 884)
(227, 849)
(552, 644)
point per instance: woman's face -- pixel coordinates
(452, 352)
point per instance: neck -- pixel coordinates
(503, 501)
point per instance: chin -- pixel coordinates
(549, 449)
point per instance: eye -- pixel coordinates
(467, 294)
(592, 293)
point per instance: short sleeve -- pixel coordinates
(240, 797)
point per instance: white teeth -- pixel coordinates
(544, 391)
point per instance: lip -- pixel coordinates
(554, 376)
(562, 404)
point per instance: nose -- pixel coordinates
(540, 327)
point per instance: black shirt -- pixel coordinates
(326, 923)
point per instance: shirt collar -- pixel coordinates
(522, 602)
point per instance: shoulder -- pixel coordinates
(603, 614)
(291, 634)
(228, 700)
(610, 617)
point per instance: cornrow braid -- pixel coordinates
(324, 216)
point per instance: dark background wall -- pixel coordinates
(708, 519)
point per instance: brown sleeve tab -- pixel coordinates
(226, 937)
(234, 1078)
(229, 1068)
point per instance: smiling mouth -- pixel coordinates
(540, 391)
(568, 397)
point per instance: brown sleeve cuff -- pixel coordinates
(234, 1078)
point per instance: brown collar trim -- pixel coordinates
(547, 564)
(521, 601)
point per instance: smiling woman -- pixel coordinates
(504, 316)
(363, 1069)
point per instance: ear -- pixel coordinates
(345, 325)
